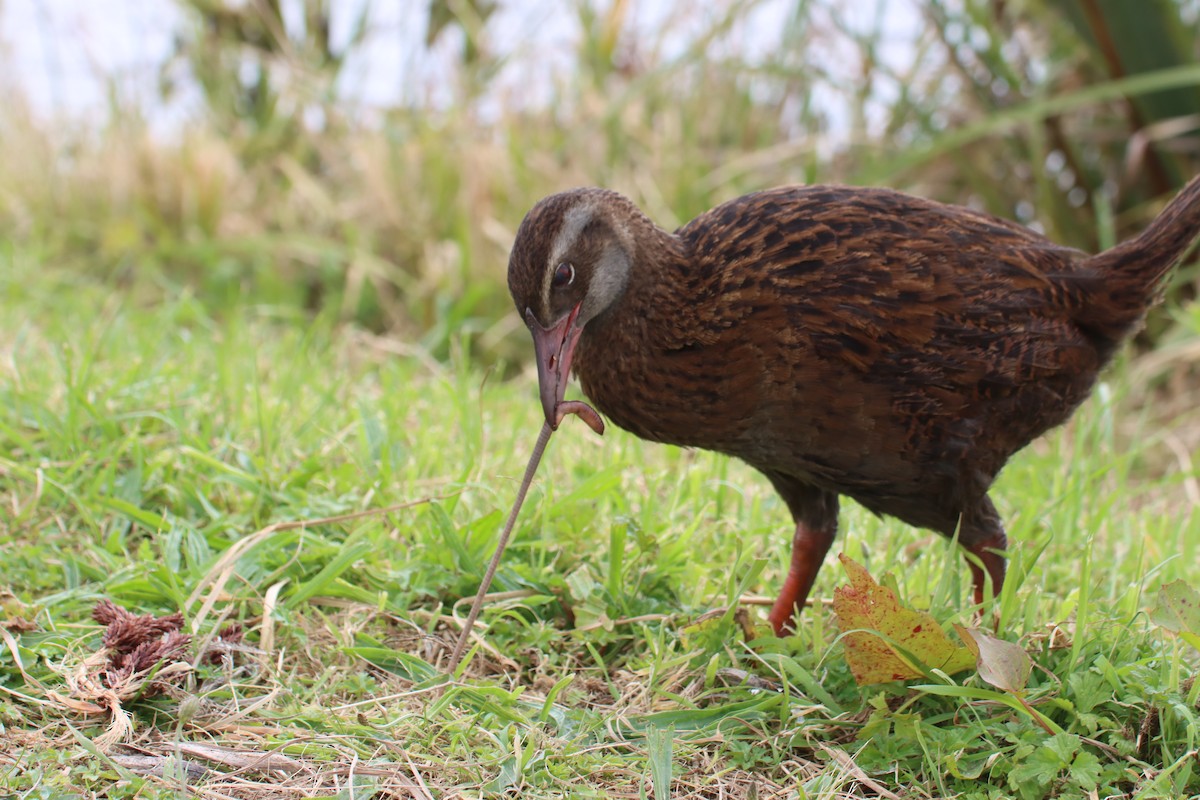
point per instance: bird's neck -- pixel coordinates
(619, 349)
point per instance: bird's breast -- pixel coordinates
(700, 397)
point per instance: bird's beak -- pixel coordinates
(555, 347)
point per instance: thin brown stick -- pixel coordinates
(534, 459)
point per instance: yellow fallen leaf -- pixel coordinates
(883, 639)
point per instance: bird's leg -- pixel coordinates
(982, 534)
(815, 512)
(992, 561)
(809, 546)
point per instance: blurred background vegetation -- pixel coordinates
(1080, 117)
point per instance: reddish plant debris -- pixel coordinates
(886, 640)
(18, 625)
(223, 644)
(137, 643)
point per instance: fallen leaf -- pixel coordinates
(886, 641)
(1001, 664)
(1178, 611)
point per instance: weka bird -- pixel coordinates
(842, 341)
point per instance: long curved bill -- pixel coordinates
(554, 347)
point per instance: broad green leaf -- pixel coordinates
(708, 720)
(1033, 776)
(405, 665)
(658, 753)
(152, 522)
(355, 548)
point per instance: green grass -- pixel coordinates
(139, 443)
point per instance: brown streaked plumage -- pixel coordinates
(843, 341)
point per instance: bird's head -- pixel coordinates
(570, 262)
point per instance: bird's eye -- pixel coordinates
(563, 276)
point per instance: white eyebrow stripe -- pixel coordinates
(574, 221)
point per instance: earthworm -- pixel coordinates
(588, 415)
(581, 410)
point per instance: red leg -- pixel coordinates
(992, 561)
(809, 546)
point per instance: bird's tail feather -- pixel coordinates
(1131, 274)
